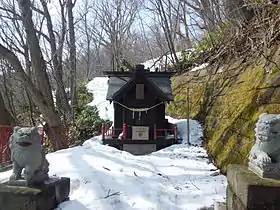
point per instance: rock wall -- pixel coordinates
(228, 97)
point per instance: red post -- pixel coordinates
(113, 131)
(103, 131)
(124, 130)
(42, 134)
(155, 131)
(175, 132)
(1, 150)
(43, 138)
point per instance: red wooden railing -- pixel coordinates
(172, 131)
(112, 131)
(5, 133)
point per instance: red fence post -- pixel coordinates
(113, 131)
(1, 147)
(175, 132)
(124, 130)
(155, 131)
(5, 153)
(42, 134)
(103, 131)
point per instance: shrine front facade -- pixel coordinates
(139, 97)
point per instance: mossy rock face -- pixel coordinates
(228, 104)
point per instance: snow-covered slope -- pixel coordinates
(161, 62)
(102, 177)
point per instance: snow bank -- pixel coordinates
(162, 61)
(98, 87)
(196, 132)
(202, 66)
(102, 177)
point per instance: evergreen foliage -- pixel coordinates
(87, 121)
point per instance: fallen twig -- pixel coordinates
(192, 182)
(106, 168)
(112, 194)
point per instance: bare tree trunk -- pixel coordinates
(41, 92)
(237, 13)
(208, 16)
(72, 44)
(37, 60)
(166, 28)
(44, 106)
(62, 102)
(185, 23)
(88, 41)
(8, 93)
(6, 118)
(55, 134)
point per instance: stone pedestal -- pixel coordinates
(272, 173)
(139, 149)
(43, 197)
(246, 190)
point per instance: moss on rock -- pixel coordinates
(229, 104)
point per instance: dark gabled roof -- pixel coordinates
(159, 84)
(115, 84)
(164, 84)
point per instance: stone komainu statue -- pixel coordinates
(266, 151)
(27, 153)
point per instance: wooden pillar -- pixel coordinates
(155, 131)
(103, 131)
(175, 132)
(124, 130)
(113, 131)
(188, 117)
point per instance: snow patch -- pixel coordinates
(202, 66)
(102, 177)
(98, 87)
(196, 132)
(161, 61)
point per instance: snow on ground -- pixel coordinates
(202, 66)
(102, 177)
(161, 62)
(175, 178)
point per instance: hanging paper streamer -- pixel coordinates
(139, 109)
(133, 114)
(139, 115)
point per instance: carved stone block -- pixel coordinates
(264, 158)
(45, 196)
(246, 190)
(272, 171)
(28, 156)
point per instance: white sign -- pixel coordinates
(140, 133)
